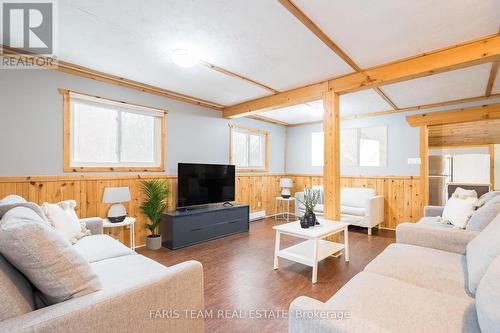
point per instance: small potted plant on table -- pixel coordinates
(311, 199)
(156, 192)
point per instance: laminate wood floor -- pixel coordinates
(239, 275)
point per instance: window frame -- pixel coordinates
(68, 166)
(248, 130)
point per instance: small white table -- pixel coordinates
(281, 215)
(315, 248)
(129, 221)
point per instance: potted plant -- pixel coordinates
(311, 199)
(156, 192)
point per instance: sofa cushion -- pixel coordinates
(45, 257)
(136, 268)
(99, 247)
(485, 198)
(434, 221)
(350, 210)
(16, 297)
(12, 199)
(357, 197)
(402, 307)
(484, 215)
(423, 267)
(488, 299)
(481, 251)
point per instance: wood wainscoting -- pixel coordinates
(258, 191)
(402, 198)
(402, 194)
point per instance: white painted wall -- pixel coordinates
(402, 144)
(31, 120)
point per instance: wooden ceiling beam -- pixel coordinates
(491, 79)
(455, 57)
(302, 17)
(475, 113)
(421, 107)
(237, 76)
(70, 68)
(295, 11)
(268, 120)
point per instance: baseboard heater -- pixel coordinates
(257, 215)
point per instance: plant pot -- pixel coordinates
(153, 242)
(303, 223)
(310, 218)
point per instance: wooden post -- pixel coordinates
(424, 164)
(331, 168)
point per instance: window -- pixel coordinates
(365, 147)
(317, 149)
(373, 146)
(249, 148)
(349, 147)
(106, 135)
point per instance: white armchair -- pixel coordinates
(358, 206)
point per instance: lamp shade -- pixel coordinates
(116, 195)
(286, 183)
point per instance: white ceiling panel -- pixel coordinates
(377, 32)
(297, 114)
(496, 84)
(360, 102)
(133, 39)
(448, 86)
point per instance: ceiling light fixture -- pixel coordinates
(184, 58)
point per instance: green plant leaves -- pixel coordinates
(156, 191)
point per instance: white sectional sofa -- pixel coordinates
(358, 206)
(136, 291)
(426, 282)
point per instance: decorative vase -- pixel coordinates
(310, 217)
(303, 223)
(153, 242)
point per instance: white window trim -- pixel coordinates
(248, 130)
(71, 166)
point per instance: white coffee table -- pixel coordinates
(315, 248)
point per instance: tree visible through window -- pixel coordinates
(115, 135)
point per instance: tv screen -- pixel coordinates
(202, 184)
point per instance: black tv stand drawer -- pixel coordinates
(187, 227)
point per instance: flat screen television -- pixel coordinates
(203, 184)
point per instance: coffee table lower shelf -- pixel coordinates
(303, 253)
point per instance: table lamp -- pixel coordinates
(115, 196)
(286, 184)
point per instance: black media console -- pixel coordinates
(187, 227)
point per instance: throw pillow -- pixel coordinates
(458, 211)
(464, 194)
(49, 262)
(12, 199)
(16, 297)
(485, 198)
(481, 251)
(484, 215)
(63, 218)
